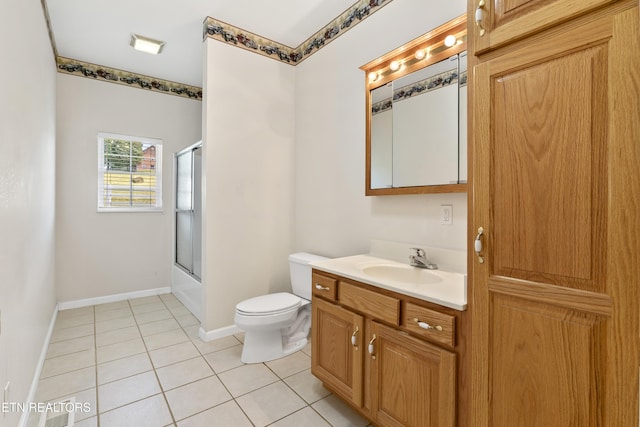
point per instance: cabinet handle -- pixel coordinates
(479, 17)
(354, 338)
(322, 288)
(371, 346)
(425, 325)
(477, 245)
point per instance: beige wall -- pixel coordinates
(27, 194)
(99, 254)
(333, 216)
(248, 170)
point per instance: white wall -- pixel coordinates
(100, 254)
(27, 194)
(332, 215)
(248, 173)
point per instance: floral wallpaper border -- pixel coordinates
(238, 37)
(429, 84)
(112, 75)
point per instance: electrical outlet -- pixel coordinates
(446, 214)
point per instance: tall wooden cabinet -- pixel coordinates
(555, 161)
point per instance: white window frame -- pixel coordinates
(102, 207)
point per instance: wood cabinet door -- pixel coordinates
(554, 299)
(335, 359)
(413, 383)
(504, 21)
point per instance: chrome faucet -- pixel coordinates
(420, 260)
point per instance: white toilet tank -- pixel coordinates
(300, 272)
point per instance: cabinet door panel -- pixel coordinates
(509, 20)
(334, 358)
(412, 382)
(554, 341)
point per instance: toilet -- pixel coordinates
(277, 325)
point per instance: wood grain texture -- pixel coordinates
(333, 357)
(510, 20)
(413, 382)
(369, 302)
(555, 183)
(446, 336)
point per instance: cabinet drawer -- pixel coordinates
(431, 324)
(371, 303)
(324, 286)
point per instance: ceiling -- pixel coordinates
(98, 31)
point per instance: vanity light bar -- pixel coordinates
(434, 46)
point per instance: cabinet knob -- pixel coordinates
(479, 17)
(321, 288)
(477, 245)
(354, 338)
(371, 348)
(425, 325)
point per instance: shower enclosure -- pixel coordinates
(187, 266)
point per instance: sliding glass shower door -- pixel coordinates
(189, 210)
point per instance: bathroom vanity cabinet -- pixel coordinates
(555, 211)
(392, 357)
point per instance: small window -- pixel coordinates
(129, 173)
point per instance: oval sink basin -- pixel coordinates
(400, 273)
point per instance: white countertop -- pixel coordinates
(449, 291)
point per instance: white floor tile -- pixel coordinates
(182, 373)
(120, 350)
(165, 339)
(226, 359)
(215, 345)
(338, 413)
(247, 378)
(68, 362)
(66, 384)
(196, 397)
(289, 365)
(307, 386)
(127, 390)
(227, 414)
(172, 354)
(116, 336)
(74, 345)
(71, 333)
(270, 403)
(153, 316)
(122, 368)
(151, 412)
(159, 326)
(306, 417)
(110, 325)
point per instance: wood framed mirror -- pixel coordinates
(416, 115)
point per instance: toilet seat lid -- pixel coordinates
(268, 304)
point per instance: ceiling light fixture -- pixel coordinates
(145, 44)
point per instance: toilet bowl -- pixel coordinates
(277, 325)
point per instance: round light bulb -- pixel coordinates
(420, 54)
(395, 65)
(373, 76)
(450, 40)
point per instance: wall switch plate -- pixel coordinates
(446, 214)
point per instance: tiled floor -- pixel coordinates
(140, 363)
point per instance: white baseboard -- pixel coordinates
(24, 419)
(66, 305)
(218, 333)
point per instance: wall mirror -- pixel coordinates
(416, 110)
